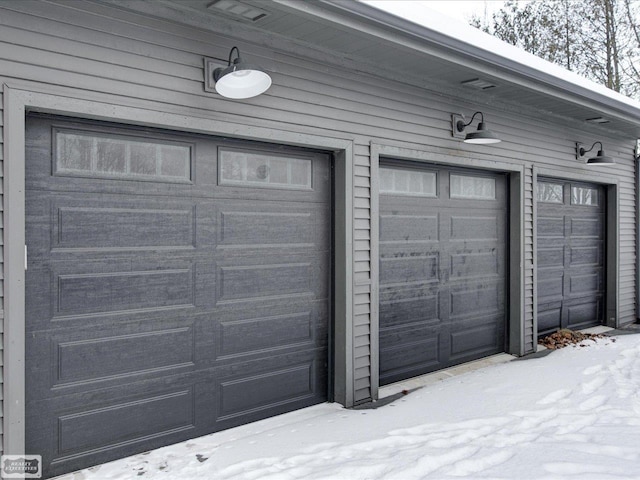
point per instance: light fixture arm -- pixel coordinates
(582, 151)
(460, 125)
(231, 54)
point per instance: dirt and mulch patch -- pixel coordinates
(565, 337)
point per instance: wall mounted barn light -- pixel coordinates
(240, 79)
(481, 136)
(599, 159)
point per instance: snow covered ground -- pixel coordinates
(572, 414)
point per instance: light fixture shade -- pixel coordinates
(481, 136)
(241, 80)
(601, 159)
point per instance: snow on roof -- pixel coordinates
(420, 14)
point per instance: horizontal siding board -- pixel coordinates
(362, 362)
(362, 256)
(363, 213)
(362, 310)
(362, 351)
(362, 244)
(362, 395)
(363, 379)
(362, 203)
(362, 320)
(362, 330)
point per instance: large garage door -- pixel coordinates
(176, 285)
(442, 268)
(571, 250)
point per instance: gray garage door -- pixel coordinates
(442, 268)
(571, 250)
(176, 285)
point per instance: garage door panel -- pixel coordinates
(260, 228)
(253, 282)
(474, 264)
(550, 256)
(81, 431)
(585, 256)
(66, 224)
(550, 284)
(120, 286)
(549, 316)
(409, 228)
(476, 299)
(586, 227)
(108, 227)
(472, 340)
(269, 224)
(550, 226)
(295, 278)
(82, 294)
(407, 269)
(583, 312)
(120, 422)
(163, 303)
(96, 358)
(570, 256)
(246, 334)
(585, 284)
(408, 333)
(546, 243)
(75, 359)
(478, 227)
(442, 262)
(237, 396)
(398, 311)
(293, 378)
(403, 360)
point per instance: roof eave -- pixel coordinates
(516, 72)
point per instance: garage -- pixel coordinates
(177, 284)
(443, 267)
(570, 254)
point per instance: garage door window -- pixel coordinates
(479, 188)
(86, 154)
(398, 181)
(584, 196)
(254, 169)
(549, 192)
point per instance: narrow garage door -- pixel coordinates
(176, 285)
(570, 252)
(442, 268)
